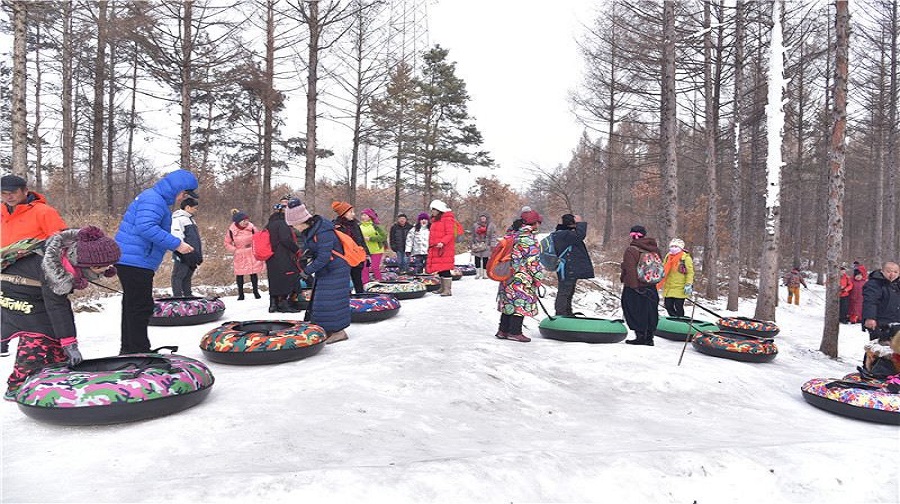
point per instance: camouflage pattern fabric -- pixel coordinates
(736, 343)
(740, 323)
(35, 352)
(230, 337)
(186, 307)
(394, 287)
(165, 375)
(15, 251)
(362, 304)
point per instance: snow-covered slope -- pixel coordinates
(429, 406)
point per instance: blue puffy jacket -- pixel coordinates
(144, 235)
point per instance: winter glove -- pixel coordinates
(70, 346)
(689, 289)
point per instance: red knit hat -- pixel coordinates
(94, 248)
(531, 218)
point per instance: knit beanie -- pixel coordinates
(677, 242)
(372, 215)
(531, 218)
(94, 248)
(639, 230)
(423, 215)
(340, 207)
(296, 213)
(237, 216)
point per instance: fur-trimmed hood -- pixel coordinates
(60, 257)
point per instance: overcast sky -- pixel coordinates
(520, 61)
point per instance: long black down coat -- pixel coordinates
(282, 268)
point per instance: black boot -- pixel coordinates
(284, 305)
(640, 338)
(240, 285)
(254, 281)
(273, 304)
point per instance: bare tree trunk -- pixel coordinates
(891, 196)
(669, 126)
(829, 344)
(111, 119)
(132, 118)
(36, 131)
(768, 270)
(711, 254)
(265, 190)
(19, 116)
(312, 96)
(187, 49)
(68, 131)
(96, 174)
(736, 214)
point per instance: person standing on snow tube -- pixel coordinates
(442, 245)
(517, 296)
(576, 263)
(144, 237)
(330, 303)
(639, 299)
(678, 278)
(35, 301)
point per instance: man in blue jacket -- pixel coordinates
(144, 237)
(568, 239)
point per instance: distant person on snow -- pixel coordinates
(576, 263)
(678, 278)
(793, 280)
(517, 296)
(639, 299)
(239, 242)
(184, 265)
(881, 301)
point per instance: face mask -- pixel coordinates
(674, 250)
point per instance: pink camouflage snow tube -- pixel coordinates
(117, 389)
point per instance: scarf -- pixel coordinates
(671, 265)
(482, 230)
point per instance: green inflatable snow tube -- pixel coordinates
(676, 328)
(583, 329)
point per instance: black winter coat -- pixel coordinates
(36, 309)
(282, 268)
(578, 261)
(881, 299)
(398, 237)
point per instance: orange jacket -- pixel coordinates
(32, 219)
(846, 285)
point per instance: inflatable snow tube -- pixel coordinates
(583, 329)
(735, 346)
(389, 262)
(255, 342)
(854, 397)
(748, 326)
(466, 269)
(111, 390)
(431, 282)
(399, 289)
(390, 276)
(303, 298)
(456, 274)
(176, 311)
(676, 328)
(368, 307)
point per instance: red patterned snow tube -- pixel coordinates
(456, 274)
(371, 307)
(748, 326)
(735, 346)
(398, 289)
(466, 269)
(176, 311)
(855, 397)
(431, 282)
(262, 342)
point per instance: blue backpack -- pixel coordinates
(548, 257)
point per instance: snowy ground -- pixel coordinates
(429, 406)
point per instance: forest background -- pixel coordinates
(673, 100)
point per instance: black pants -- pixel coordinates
(564, 294)
(137, 307)
(674, 306)
(511, 324)
(356, 277)
(639, 308)
(181, 279)
(445, 274)
(845, 308)
(480, 262)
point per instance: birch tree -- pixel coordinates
(768, 270)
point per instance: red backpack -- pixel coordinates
(499, 265)
(262, 245)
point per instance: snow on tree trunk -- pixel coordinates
(834, 242)
(670, 159)
(734, 265)
(768, 268)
